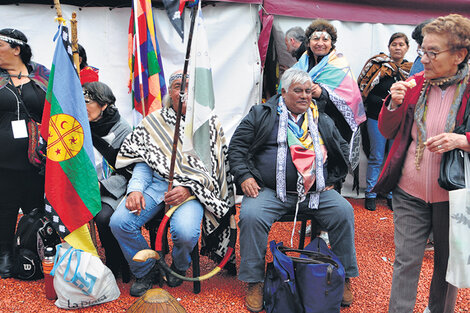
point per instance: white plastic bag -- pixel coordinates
(458, 268)
(81, 279)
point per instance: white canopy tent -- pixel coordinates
(232, 30)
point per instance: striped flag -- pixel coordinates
(200, 103)
(72, 191)
(147, 82)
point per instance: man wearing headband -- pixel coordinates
(196, 191)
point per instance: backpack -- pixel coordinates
(34, 232)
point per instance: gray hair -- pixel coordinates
(166, 102)
(292, 76)
(297, 33)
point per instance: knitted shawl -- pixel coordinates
(378, 67)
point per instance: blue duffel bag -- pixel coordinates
(321, 285)
(303, 281)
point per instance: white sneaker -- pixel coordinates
(427, 310)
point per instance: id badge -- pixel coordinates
(19, 129)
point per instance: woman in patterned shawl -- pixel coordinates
(335, 89)
(379, 73)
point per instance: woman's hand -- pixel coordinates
(135, 202)
(447, 141)
(316, 91)
(177, 195)
(397, 92)
(250, 187)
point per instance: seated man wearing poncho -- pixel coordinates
(202, 195)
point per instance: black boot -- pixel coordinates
(389, 204)
(141, 285)
(6, 262)
(370, 204)
(173, 281)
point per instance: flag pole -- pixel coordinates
(76, 57)
(139, 65)
(58, 9)
(180, 102)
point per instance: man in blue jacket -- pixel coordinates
(286, 155)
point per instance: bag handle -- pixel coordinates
(78, 252)
(57, 262)
(466, 164)
(312, 257)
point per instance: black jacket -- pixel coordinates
(253, 130)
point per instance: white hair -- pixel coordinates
(294, 75)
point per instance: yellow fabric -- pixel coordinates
(81, 239)
(306, 140)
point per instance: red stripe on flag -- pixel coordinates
(46, 115)
(65, 200)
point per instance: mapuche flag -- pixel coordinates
(71, 187)
(147, 81)
(200, 106)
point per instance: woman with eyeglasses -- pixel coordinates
(375, 80)
(335, 90)
(108, 131)
(23, 86)
(424, 116)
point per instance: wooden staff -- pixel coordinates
(180, 103)
(58, 9)
(76, 57)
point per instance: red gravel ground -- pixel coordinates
(224, 293)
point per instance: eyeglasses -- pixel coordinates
(430, 54)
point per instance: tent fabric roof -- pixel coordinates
(371, 11)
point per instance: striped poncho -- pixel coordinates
(152, 142)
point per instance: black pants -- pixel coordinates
(112, 250)
(18, 189)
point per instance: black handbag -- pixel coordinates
(452, 171)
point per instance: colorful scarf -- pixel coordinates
(304, 146)
(151, 142)
(334, 74)
(378, 67)
(461, 79)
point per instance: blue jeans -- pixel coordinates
(335, 214)
(185, 228)
(376, 157)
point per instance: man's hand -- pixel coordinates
(177, 195)
(250, 187)
(135, 202)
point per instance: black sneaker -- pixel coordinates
(173, 281)
(141, 285)
(370, 204)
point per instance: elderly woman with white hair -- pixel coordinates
(426, 119)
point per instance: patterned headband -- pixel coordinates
(12, 40)
(175, 77)
(318, 34)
